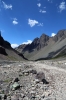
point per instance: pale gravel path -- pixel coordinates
(58, 79)
(56, 76)
(40, 66)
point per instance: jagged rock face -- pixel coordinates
(37, 43)
(7, 44)
(43, 40)
(20, 48)
(60, 35)
(32, 46)
(4, 43)
(2, 51)
(1, 40)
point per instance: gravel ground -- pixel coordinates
(41, 80)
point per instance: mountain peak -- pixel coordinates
(43, 34)
(60, 35)
(43, 39)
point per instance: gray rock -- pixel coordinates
(33, 71)
(16, 80)
(3, 96)
(41, 77)
(15, 86)
(8, 98)
(33, 94)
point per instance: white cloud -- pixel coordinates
(39, 4)
(32, 23)
(42, 11)
(14, 45)
(62, 6)
(53, 34)
(15, 22)
(28, 42)
(7, 6)
(40, 24)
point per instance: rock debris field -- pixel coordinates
(41, 80)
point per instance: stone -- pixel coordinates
(47, 93)
(37, 81)
(15, 86)
(3, 96)
(38, 97)
(26, 98)
(16, 80)
(22, 95)
(33, 94)
(33, 71)
(8, 98)
(43, 95)
(26, 74)
(41, 77)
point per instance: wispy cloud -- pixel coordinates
(39, 4)
(28, 42)
(15, 22)
(62, 6)
(32, 23)
(40, 24)
(42, 11)
(9, 6)
(14, 45)
(53, 34)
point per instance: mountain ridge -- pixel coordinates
(45, 44)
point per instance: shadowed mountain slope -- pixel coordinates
(45, 46)
(7, 52)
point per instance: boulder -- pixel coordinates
(15, 86)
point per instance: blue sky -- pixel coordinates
(23, 20)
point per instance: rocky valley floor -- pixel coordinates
(41, 80)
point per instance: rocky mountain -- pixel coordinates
(7, 52)
(37, 44)
(44, 47)
(60, 35)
